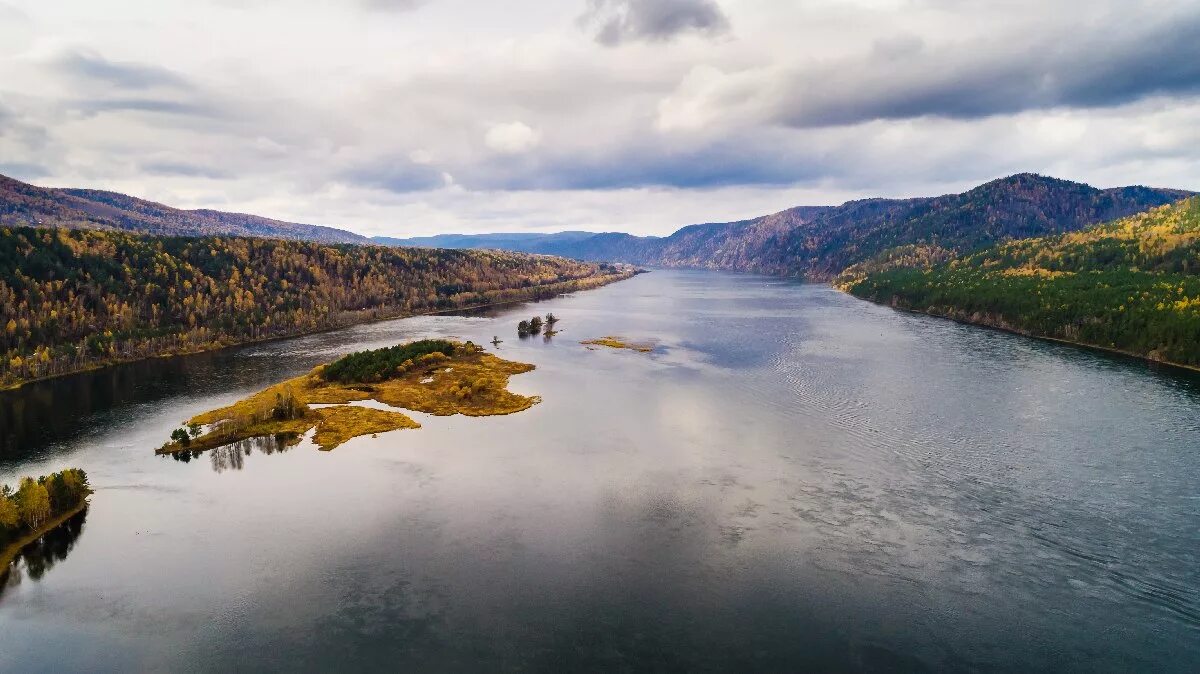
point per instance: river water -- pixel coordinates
(793, 479)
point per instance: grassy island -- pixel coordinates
(619, 343)
(37, 506)
(434, 376)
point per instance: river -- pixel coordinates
(793, 479)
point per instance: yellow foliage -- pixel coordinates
(344, 422)
(475, 385)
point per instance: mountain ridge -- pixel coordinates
(819, 242)
(813, 242)
(23, 204)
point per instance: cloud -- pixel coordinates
(91, 67)
(905, 79)
(182, 168)
(618, 21)
(538, 125)
(392, 5)
(512, 138)
(159, 106)
(394, 174)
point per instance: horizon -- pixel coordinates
(418, 118)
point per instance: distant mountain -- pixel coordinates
(520, 241)
(814, 242)
(1020, 206)
(818, 242)
(25, 204)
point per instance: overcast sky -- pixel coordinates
(408, 117)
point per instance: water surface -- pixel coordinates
(794, 479)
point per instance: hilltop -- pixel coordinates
(22, 204)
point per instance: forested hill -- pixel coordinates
(22, 204)
(1132, 285)
(818, 242)
(74, 299)
(1020, 206)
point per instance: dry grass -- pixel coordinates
(620, 343)
(472, 383)
(342, 423)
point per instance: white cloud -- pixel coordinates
(512, 138)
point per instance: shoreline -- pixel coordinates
(608, 279)
(1032, 335)
(9, 554)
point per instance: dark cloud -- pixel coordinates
(394, 175)
(24, 170)
(1104, 67)
(92, 67)
(643, 162)
(155, 105)
(174, 168)
(618, 21)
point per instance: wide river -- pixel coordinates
(794, 479)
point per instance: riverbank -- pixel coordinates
(532, 293)
(992, 322)
(9, 553)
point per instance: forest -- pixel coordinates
(77, 299)
(1130, 285)
(35, 502)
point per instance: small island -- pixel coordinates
(619, 343)
(36, 507)
(437, 377)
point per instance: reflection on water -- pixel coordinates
(233, 456)
(39, 557)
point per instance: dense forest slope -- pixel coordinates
(22, 204)
(818, 242)
(74, 299)
(1131, 285)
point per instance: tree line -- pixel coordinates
(36, 501)
(76, 299)
(1132, 284)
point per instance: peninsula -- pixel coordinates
(37, 506)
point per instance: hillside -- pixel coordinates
(1019, 206)
(22, 204)
(818, 242)
(76, 299)
(1132, 285)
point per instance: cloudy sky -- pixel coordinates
(408, 117)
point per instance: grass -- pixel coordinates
(469, 382)
(620, 343)
(342, 423)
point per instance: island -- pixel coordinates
(613, 342)
(438, 377)
(36, 507)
